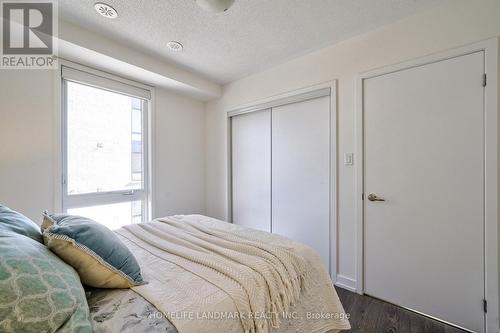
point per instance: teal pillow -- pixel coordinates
(97, 254)
(13, 221)
(38, 291)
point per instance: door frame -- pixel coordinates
(296, 96)
(491, 167)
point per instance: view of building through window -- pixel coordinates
(113, 216)
(104, 150)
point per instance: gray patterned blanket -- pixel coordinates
(123, 310)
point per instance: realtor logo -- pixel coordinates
(28, 34)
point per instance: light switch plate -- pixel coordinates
(348, 159)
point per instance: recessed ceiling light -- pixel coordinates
(174, 46)
(106, 10)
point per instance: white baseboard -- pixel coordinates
(346, 283)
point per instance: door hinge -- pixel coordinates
(484, 80)
(362, 196)
(485, 306)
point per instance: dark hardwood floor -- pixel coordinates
(370, 315)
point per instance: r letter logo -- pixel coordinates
(28, 31)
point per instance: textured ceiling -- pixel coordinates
(251, 36)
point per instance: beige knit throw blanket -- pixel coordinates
(262, 279)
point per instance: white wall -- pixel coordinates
(455, 23)
(28, 135)
(179, 156)
(27, 140)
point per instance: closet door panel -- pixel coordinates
(301, 173)
(251, 169)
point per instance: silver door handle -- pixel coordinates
(373, 197)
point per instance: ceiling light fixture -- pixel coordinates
(215, 6)
(106, 10)
(175, 46)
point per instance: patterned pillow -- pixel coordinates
(38, 291)
(13, 221)
(97, 254)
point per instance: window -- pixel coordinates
(104, 149)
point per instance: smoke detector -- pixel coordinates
(175, 46)
(215, 6)
(106, 10)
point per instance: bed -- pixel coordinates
(183, 298)
(124, 310)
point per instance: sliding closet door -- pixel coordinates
(301, 173)
(251, 169)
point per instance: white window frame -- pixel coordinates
(100, 80)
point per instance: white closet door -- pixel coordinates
(301, 173)
(251, 169)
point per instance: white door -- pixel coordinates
(301, 173)
(251, 169)
(423, 245)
